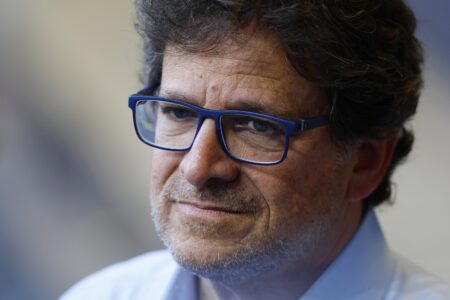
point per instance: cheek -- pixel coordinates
(296, 186)
(164, 164)
(283, 194)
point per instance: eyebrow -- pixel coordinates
(253, 106)
(178, 96)
(239, 104)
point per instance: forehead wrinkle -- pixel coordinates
(259, 93)
(236, 87)
(236, 66)
(255, 81)
(247, 72)
(263, 104)
(261, 82)
(243, 76)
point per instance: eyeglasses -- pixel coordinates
(245, 136)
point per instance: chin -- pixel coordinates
(231, 263)
(226, 265)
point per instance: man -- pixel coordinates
(276, 127)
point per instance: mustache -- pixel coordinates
(230, 196)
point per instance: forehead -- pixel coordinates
(247, 50)
(250, 68)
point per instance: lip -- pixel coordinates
(206, 210)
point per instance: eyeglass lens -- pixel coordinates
(173, 126)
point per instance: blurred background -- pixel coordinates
(74, 177)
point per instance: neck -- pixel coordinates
(289, 285)
(290, 281)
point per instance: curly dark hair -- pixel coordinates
(365, 52)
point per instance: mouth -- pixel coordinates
(209, 210)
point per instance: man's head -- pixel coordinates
(226, 219)
(365, 52)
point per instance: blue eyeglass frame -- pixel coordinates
(291, 126)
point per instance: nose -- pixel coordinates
(206, 160)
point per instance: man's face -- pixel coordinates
(222, 218)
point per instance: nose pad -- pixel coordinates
(206, 159)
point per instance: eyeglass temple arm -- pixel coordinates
(314, 122)
(311, 123)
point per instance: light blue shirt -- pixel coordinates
(365, 269)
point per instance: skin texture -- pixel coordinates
(237, 225)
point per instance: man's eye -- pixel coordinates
(260, 126)
(256, 126)
(177, 113)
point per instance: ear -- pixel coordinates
(370, 161)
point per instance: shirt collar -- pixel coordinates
(363, 270)
(184, 286)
